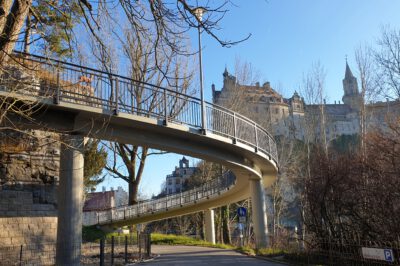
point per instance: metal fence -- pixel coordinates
(66, 82)
(207, 190)
(340, 251)
(117, 250)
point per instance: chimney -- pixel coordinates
(335, 102)
(213, 88)
(324, 101)
(104, 189)
(112, 189)
(258, 84)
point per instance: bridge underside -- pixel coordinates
(253, 169)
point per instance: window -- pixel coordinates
(177, 181)
(170, 181)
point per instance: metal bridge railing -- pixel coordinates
(206, 191)
(66, 82)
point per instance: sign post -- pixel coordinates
(242, 214)
(378, 254)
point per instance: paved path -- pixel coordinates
(193, 256)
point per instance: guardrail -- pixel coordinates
(66, 82)
(207, 190)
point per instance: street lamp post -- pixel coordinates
(199, 11)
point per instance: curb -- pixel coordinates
(273, 260)
(144, 261)
(265, 258)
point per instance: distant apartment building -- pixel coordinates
(99, 201)
(175, 181)
(294, 118)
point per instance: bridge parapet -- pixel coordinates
(71, 83)
(206, 191)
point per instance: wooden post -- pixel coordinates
(112, 250)
(102, 252)
(126, 249)
(20, 256)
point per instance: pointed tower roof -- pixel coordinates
(348, 74)
(225, 72)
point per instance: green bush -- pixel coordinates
(92, 233)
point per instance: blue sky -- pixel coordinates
(288, 36)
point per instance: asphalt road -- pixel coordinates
(193, 256)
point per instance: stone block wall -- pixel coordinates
(28, 230)
(29, 170)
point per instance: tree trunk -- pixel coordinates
(133, 193)
(12, 28)
(226, 234)
(5, 6)
(202, 225)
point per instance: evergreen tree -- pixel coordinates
(95, 161)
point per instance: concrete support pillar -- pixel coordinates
(210, 227)
(70, 200)
(259, 213)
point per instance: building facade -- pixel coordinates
(294, 118)
(174, 182)
(104, 200)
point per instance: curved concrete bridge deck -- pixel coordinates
(85, 102)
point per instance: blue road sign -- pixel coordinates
(242, 212)
(389, 255)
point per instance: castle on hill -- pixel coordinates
(294, 118)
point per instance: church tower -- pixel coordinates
(351, 95)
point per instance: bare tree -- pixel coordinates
(387, 58)
(314, 95)
(143, 70)
(366, 70)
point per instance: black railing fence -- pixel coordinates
(117, 250)
(66, 82)
(338, 251)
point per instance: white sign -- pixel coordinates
(242, 219)
(378, 254)
(139, 227)
(240, 226)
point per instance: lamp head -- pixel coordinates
(199, 12)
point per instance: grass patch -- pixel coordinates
(271, 252)
(162, 239)
(246, 250)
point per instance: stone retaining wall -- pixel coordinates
(29, 170)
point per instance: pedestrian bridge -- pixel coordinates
(86, 102)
